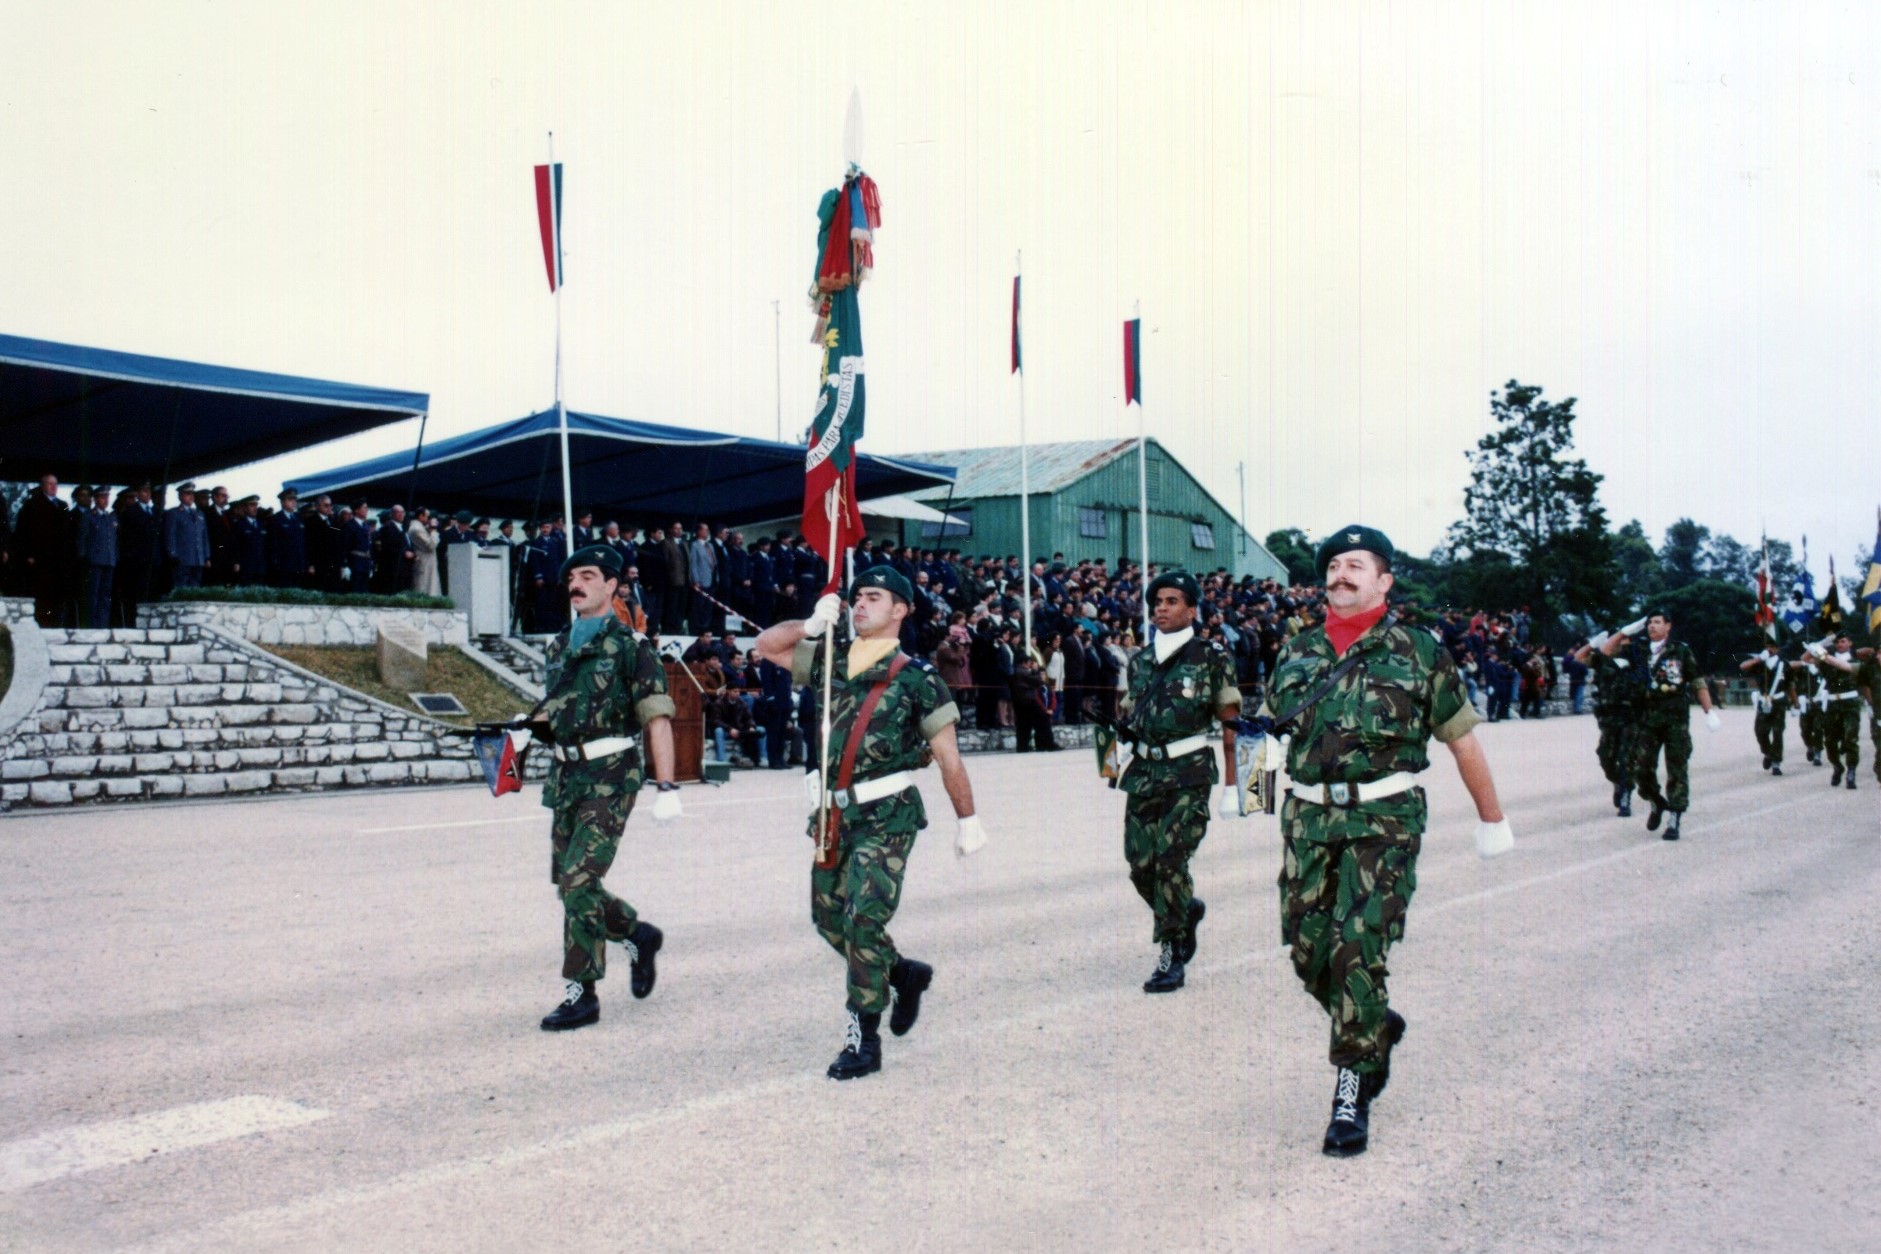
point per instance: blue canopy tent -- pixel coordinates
(623, 469)
(94, 414)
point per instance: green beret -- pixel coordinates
(594, 555)
(886, 578)
(1181, 580)
(1352, 539)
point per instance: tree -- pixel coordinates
(1292, 549)
(1537, 509)
(1638, 567)
(1682, 556)
(1714, 618)
(1730, 561)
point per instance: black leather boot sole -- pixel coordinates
(647, 940)
(909, 979)
(577, 1014)
(1198, 909)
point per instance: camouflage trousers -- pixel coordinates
(1616, 746)
(1670, 730)
(586, 835)
(1161, 832)
(1841, 734)
(1874, 738)
(1342, 904)
(1770, 725)
(1809, 723)
(852, 903)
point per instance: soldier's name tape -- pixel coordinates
(860, 793)
(1174, 749)
(1348, 795)
(606, 747)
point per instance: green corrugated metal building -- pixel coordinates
(1084, 505)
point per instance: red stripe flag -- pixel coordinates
(1133, 361)
(1015, 324)
(549, 218)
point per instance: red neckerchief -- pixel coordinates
(1343, 629)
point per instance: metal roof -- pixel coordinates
(983, 472)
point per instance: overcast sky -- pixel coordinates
(1346, 224)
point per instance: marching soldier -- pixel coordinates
(1771, 699)
(888, 714)
(1668, 672)
(1841, 715)
(1868, 681)
(1616, 711)
(1362, 696)
(1807, 689)
(1179, 685)
(604, 704)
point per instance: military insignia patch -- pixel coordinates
(1351, 537)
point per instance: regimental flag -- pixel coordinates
(1766, 609)
(1830, 620)
(549, 218)
(1015, 324)
(501, 752)
(1871, 590)
(1133, 362)
(1800, 610)
(829, 485)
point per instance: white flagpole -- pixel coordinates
(561, 410)
(1025, 488)
(1142, 471)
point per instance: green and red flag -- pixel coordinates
(549, 219)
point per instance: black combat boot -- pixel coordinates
(1186, 950)
(1394, 1032)
(1168, 975)
(1835, 778)
(1351, 1115)
(862, 1048)
(1672, 825)
(1850, 782)
(1619, 793)
(1625, 803)
(907, 980)
(579, 1008)
(1658, 813)
(641, 945)
(1776, 768)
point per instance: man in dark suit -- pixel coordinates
(140, 537)
(326, 546)
(391, 553)
(356, 548)
(220, 519)
(288, 564)
(40, 545)
(251, 542)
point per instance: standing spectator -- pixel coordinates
(763, 579)
(774, 709)
(951, 658)
(356, 549)
(422, 539)
(651, 558)
(326, 545)
(543, 577)
(457, 531)
(219, 519)
(185, 539)
(288, 566)
(678, 582)
(1577, 676)
(1055, 676)
(98, 550)
(702, 571)
(251, 543)
(1071, 662)
(1031, 709)
(140, 541)
(391, 557)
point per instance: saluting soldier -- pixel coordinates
(1771, 699)
(1362, 696)
(1668, 674)
(604, 711)
(1616, 711)
(1841, 715)
(1179, 686)
(888, 714)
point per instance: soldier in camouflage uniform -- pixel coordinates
(1179, 685)
(1668, 675)
(1771, 698)
(1807, 690)
(1354, 817)
(881, 813)
(1616, 710)
(606, 693)
(1841, 715)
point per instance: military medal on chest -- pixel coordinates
(1188, 688)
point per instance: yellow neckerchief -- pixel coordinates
(866, 653)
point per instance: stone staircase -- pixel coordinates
(523, 656)
(196, 712)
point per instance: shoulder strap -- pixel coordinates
(1331, 680)
(860, 726)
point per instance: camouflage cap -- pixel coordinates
(599, 555)
(1181, 580)
(1353, 539)
(886, 578)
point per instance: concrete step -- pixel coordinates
(217, 783)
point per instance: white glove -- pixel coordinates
(1598, 638)
(1228, 801)
(1621, 662)
(1494, 839)
(1633, 628)
(1711, 720)
(813, 788)
(666, 807)
(969, 837)
(829, 608)
(1815, 651)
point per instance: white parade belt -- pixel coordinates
(863, 791)
(1842, 696)
(1346, 796)
(1174, 749)
(606, 747)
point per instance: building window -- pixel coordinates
(1093, 524)
(1153, 479)
(1202, 535)
(959, 523)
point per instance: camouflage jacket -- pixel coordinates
(1616, 687)
(1172, 701)
(1667, 680)
(1837, 680)
(1379, 718)
(912, 712)
(613, 685)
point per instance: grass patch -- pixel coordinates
(6, 659)
(446, 670)
(256, 594)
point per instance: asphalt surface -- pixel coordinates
(310, 1023)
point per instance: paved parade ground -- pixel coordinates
(311, 1023)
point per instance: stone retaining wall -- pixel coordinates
(304, 624)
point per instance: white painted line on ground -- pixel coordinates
(69, 1151)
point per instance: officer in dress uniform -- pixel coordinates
(288, 566)
(1669, 675)
(1362, 696)
(1179, 685)
(604, 706)
(1841, 715)
(1771, 699)
(889, 714)
(251, 542)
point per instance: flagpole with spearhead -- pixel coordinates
(561, 409)
(1142, 473)
(833, 506)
